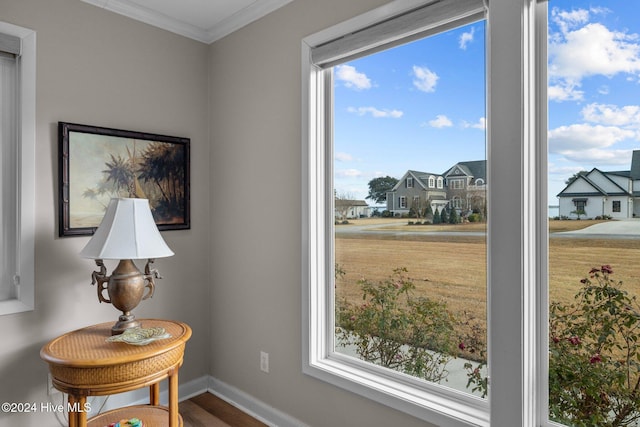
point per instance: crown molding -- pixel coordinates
(217, 31)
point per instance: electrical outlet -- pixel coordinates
(264, 362)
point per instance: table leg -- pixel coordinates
(173, 399)
(77, 415)
(154, 394)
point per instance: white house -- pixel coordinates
(597, 193)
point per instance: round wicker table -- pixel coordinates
(82, 363)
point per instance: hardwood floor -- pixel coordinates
(207, 410)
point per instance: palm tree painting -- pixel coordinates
(98, 164)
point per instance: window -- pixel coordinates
(409, 182)
(457, 202)
(616, 206)
(17, 168)
(516, 266)
(456, 184)
(440, 182)
(586, 342)
(580, 205)
(432, 182)
(402, 202)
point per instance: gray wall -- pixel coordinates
(235, 277)
(95, 67)
(256, 286)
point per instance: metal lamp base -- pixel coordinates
(125, 288)
(125, 322)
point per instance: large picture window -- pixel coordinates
(341, 88)
(394, 309)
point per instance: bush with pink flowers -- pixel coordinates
(594, 355)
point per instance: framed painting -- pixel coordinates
(96, 164)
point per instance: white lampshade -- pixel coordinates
(127, 231)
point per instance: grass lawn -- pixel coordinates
(453, 268)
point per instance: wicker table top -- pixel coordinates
(88, 347)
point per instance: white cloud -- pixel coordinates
(348, 173)
(581, 48)
(466, 38)
(343, 157)
(425, 79)
(376, 113)
(352, 78)
(480, 124)
(583, 141)
(569, 19)
(606, 114)
(601, 157)
(564, 171)
(565, 90)
(441, 121)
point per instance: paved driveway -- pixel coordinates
(627, 227)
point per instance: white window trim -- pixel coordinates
(517, 271)
(25, 274)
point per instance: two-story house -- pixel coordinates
(467, 185)
(462, 186)
(414, 190)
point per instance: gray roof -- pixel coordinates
(476, 169)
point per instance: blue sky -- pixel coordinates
(421, 106)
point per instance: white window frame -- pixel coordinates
(409, 182)
(440, 182)
(516, 241)
(24, 278)
(432, 182)
(402, 202)
(456, 184)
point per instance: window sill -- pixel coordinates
(429, 402)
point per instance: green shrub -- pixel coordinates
(395, 329)
(474, 217)
(594, 355)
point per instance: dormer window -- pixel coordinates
(432, 182)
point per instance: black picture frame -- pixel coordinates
(97, 163)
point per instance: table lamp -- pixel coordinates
(127, 232)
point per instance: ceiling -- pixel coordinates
(202, 20)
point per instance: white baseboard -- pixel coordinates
(241, 400)
(252, 406)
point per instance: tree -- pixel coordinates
(428, 213)
(444, 217)
(378, 188)
(437, 219)
(343, 202)
(454, 218)
(575, 176)
(416, 210)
